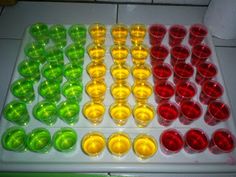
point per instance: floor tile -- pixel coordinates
(127, 1)
(192, 2)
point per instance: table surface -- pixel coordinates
(13, 21)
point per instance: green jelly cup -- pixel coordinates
(46, 112)
(14, 139)
(40, 32)
(78, 33)
(16, 112)
(73, 90)
(39, 140)
(58, 35)
(35, 51)
(73, 71)
(52, 72)
(54, 55)
(29, 69)
(23, 89)
(68, 111)
(75, 53)
(50, 90)
(65, 139)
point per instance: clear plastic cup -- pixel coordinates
(158, 54)
(96, 90)
(96, 52)
(196, 141)
(35, 51)
(119, 53)
(179, 54)
(120, 72)
(119, 33)
(120, 91)
(200, 53)
(163, 91)
(217, 112)
(73, 90)
(73, 71)
(197, 33)
(96, 71)
(190, 111)
(75, 53)
(139, 53)
(222, 141)
(161, 72)
(176, 34)
(142, 91)
(182, 72)
(205, 71)
(58, 35)
(39, 31)
(185, 91)
(171, 141)
(156, 33)
(211, 90)
(54, 55)
(78, 33)
(141, 72)
(52, 72)
(168, 112)
(97, 33)
(137, 33)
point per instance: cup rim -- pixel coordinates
(212, 114)
(199, 26)
(157, 25)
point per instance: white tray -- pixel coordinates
(77, 161)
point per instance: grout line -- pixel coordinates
(117, 13)
(6, 38)
(225, 46)
(2, 10)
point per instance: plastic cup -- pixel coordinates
(176, 34)
(75, 53)
(73, 90)
(190, 112)
(93, 144)
(14, 139)
(52, 72)
(96, 90)
(142, 91)
(163, 91)
(119, 144)
(54, 55)
(119, 33)
(119, 53)
(50, 90)
(158, 54)
(145, 146)
(168, 112)
(185, 91)
(23, 90)
(222, 141)
(40, 32)
(96, 52)
(78, 33)
(182, 72)
(96, 71)
(39, 140)
(68, 111)
(161, 72)
(211, 90)
(58, 35)
(139, 53)
(197, 33)
(120, 72)
(29, 69)
(137, 33)
(143, 114)
(141, 72)
(73, 71)
(45, 112)
(196, 141)
(156, 33)
(171, 141)
(97, 33)
(94, 112)
(65, 139)
(179, 54)
(217, 112)
(200, 53)
(120, 112)
(205, 71)
(120, 91)
(35, 51)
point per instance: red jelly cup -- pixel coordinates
(211, 90)
(161, 72)
(205, 71)
(200, 53)
(176, 34)
(163, 91)
(179, 54)
(158, 54)
(217, 112)
(156, 33)
(182, 72)
(197, 33)
(196, 141)
(168, 112)
(222, 141)
(190, 112)
(185, 91)
(171, 141)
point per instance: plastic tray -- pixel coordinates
(77, 161)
